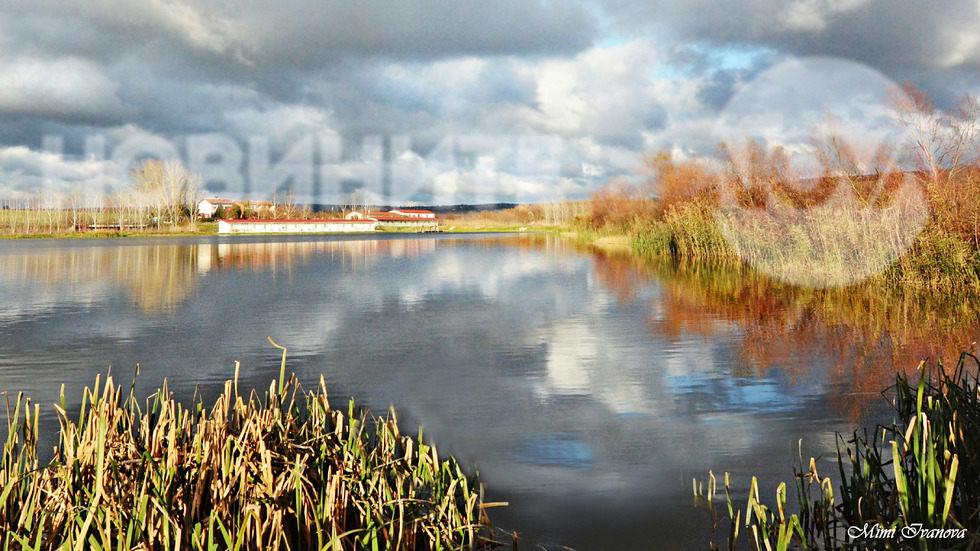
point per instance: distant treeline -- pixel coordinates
(161, 195)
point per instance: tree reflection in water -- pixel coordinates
(870, 332)
(159, 277)
(867, 333)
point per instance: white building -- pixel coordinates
(207, 207)
(399, 219)
(329, 225)
(411, 213)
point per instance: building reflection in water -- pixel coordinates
(160, 277)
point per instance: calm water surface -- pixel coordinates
(588, 392)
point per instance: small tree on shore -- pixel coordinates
(242, 211)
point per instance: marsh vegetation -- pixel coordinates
(279, 471)
(911, 485)
(907, 213)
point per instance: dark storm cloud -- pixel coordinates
(171, 66)
(299, 33)
(457, 92)
(609, 78)
(901, 38)
(718, 89)
(318, 31)
(718, 86)
(175, 66)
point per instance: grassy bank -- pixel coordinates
(502, 228)
(895, 228)
(485, 225)
(936, 258)
(199, 228)
(283, 471)
(912, 485)
(448, 227)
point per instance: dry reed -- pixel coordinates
(283, 471)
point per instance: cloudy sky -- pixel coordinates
(439, 101)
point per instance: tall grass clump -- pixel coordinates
(939, 259)
(619, 207)
(685, 231)
(282, 471)
(913, 485)
(831, 212)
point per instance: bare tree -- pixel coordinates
(180, 189)
(168, 188)
(871, 176)
(753, 171)
(74, 202)
(284, 206)
(942, 142)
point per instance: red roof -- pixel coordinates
(401, 219)
(267, 221)
(214, 200)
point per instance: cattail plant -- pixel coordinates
(913, 485)
(277, 471)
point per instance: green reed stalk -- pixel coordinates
(917, 475)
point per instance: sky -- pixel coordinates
(442, 102)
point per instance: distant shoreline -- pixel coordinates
(100, 234)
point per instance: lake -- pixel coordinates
(588, 388)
